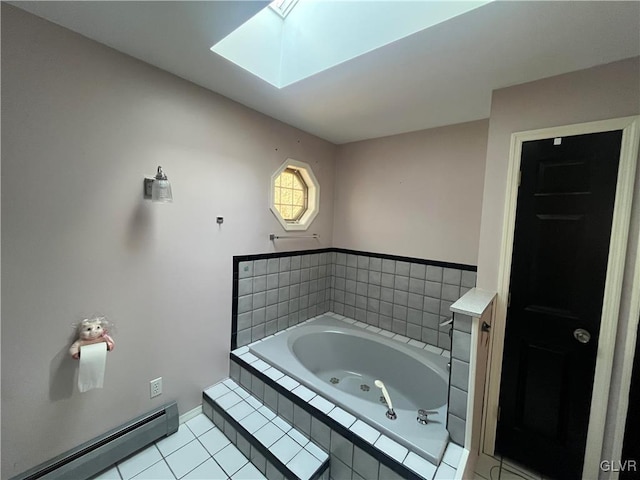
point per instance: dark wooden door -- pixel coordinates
(561, 245)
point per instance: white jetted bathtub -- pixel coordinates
(341, 362)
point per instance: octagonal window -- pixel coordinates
(294, 195)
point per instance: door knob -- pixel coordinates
(581, 335)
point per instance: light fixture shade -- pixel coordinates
(161, 191)
(161, 188)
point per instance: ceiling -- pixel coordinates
(439, 76)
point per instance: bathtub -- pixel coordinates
(341, 362)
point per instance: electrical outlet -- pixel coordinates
(155, 387)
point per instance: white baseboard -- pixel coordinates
(185, 417)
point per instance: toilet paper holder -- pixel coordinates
(91, 331)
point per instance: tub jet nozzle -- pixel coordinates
(391, 415)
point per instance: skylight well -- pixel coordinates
(282, 7)
(299, 42)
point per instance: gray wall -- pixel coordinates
(81, 126)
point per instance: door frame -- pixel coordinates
(630, 127)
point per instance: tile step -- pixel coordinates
(274, 446)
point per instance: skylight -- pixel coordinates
(318, 35)
(283, 7)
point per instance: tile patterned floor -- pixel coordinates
(197, 451)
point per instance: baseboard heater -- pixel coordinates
(100, 453)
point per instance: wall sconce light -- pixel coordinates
(158, 189)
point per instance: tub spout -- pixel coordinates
(391, 415)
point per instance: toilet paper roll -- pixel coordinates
(93, 362)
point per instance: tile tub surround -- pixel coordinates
(272, 292)
(357, 450)
(459, 377)
(409, 296)
(277, 449)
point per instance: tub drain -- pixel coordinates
(334, 380)
(364, 387)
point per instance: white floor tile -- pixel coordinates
(248, 357)
(285, 449)
(342, 417)
(253, 422)
(228, 400)
(230, 459)
(267, 412)
(200, 424)
(217, 390)
(281, 424)
(187, 458)
(288, 382)
(316, 451)
(109, 474)
(304, 393)
(445, 472)
(363, 430)
(298, 437)
(273, 373)
(269, 434)
(254, 402)
(138, 462)
(240, 410)
(452, 455)
(214, 441)
(261, 365)
(392, 448)
(304, 464)
(173, 442)
(158, 471)
(420, 465)
(242, 393)
(209, 470)
(248, 472)
(230, 383)
(321, 404)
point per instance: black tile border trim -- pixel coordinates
(262, 256)
(389, 462)
(266, 453)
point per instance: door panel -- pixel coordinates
(560, 252)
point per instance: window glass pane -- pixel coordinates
(276, 195)
(286, 211)
(286, 196)
(287, 179)
(298, 198)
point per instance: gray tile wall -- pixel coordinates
(408, 298)
(459, 386)
(277, 293)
